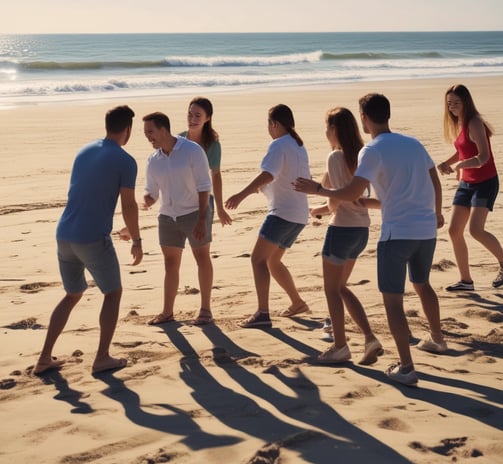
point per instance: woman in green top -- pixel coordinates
(201, 131)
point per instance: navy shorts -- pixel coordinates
(174, 233)
(393, 258)
(343, 243)
(279, 231)
(482, 194)
(99, 258)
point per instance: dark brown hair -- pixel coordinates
(282, 114)
(159, 119)
(376, 107)
(209, 134)
(118, 119)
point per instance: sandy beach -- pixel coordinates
(220, 393)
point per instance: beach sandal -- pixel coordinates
(260, 319)
(161, 319)
(290, 312)
(204, 317)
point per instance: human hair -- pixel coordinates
(452, 123)
(282, 114)
(376, 107)
(209, 135)
(159, 119)
(348, 134)
(118, 119)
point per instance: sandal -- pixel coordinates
(290, 312)
(204, 317)
(161, 319)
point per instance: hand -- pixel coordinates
(234, 201)
(137, 253)
(124, 234)
(304, 185)
(225, 219)
(200, 229)
(440, 221)
(444, 168)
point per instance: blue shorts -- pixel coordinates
(99, 258)
(174, 233)
(343, 243)
(279, 231)
(393, 258)
(482, 194)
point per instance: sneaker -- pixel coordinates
(327, 337)
(327, 326)
(335, 355)
(462, 285)
(498, 282)
(259, 319)
(394, 372)
(373, 349)
(430, 345)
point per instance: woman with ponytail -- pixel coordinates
(288, 213)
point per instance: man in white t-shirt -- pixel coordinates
(405, 180)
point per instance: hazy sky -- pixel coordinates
(54, 16)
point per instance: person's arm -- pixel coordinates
(216, 178)
(130, 216)
(437, 186)
(445, 166)
(350, 192)
(253, 187)
(200, 227)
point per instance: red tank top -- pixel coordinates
(467, 149)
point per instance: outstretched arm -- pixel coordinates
(350, 192)
(253, 187)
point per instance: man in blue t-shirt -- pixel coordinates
(102, 171)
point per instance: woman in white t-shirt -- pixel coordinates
(346, 238)
(288, 213)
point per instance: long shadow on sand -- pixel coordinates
(329, 436)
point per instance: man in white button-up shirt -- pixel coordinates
(178, 174)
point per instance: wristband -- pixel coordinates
(319, 187)
(137, 242)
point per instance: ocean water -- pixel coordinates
(35, 68)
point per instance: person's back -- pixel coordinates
(99, 171)
(403, 184)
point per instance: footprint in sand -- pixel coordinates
(37, 286)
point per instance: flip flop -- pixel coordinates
(161, 319)
(290, 312)
(204, 317)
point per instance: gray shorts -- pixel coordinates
(174, 233)
(99, 258)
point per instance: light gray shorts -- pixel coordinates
(99, 258)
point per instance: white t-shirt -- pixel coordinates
(178, 178)
(398, 167)
(347, 214)
(286, 161)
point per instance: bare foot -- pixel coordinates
(44, 365)
(108, 364)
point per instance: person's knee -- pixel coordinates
(477, 232)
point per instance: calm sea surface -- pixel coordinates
(36, 68)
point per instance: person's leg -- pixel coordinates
(431, 309)
(172, 260)
(108, 322)
(459, 219)
(399, 328)
(205, 275)
(282, 276)
(478, 219)
(57, 323)
(261, 252)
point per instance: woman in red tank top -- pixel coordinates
(478, 186)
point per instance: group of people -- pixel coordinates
(184, 174)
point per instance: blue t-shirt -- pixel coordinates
(99, 171)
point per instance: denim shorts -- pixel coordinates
(343, 243)
(395, 256)
(482, 194)
(279, 231)
(99, 258)
(175, 232)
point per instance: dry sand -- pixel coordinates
(221, 393)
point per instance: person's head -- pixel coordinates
(118, 123)
(376, 108)
(157, 128)
(343, 133)
(281, 122)
(199, 120)
(459, 110)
